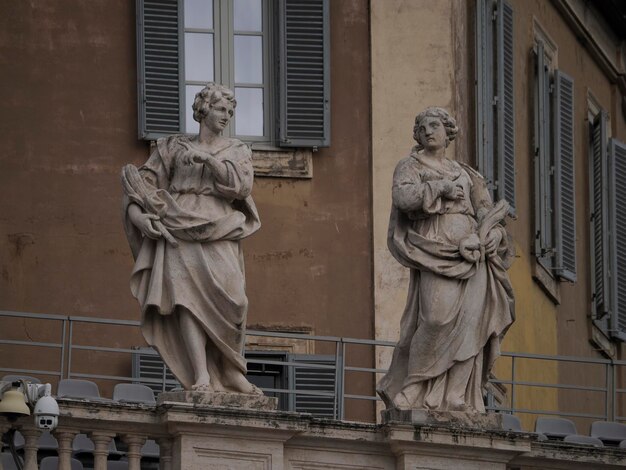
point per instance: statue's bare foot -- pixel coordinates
(203, 384)
(405, 399)
(238, 383)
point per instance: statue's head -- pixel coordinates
(217, 101)
(434, 112)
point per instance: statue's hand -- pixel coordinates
(452, 191)
(471, 249)
(196, 155)
(492, 243)
(143, 221)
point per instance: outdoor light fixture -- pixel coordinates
(13, 404)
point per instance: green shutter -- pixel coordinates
(304, 73)
(617, 204)
(158, 67)
(485, 91)
(506, 105)
(599, 217)
(565, 207)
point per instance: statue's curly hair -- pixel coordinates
(208, 96)
(449, 123)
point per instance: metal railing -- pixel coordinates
(612, 371)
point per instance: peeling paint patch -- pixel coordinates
(273, 256)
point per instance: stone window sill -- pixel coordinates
(297, 163)
(601, 341)
(546, 280)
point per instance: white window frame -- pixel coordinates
(224, 64)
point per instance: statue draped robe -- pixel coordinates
(203, 271)
(457, 311)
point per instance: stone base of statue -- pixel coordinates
(457, 419)
(220, 400)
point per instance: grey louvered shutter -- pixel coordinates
(304, 73)
(542, 161)
(318, 376)
(485, 92)
(506, 105)
(565, 206)
(599, 218)
(158, 67)
(149, 369)
(617, 203)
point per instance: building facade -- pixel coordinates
(327, 92)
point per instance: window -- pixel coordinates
(305, 383)
(607, 179)
(274, 54)
(495, 107)
(555, 211)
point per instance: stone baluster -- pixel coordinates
(134, 443)
(65, 437)
(165, 453)
(31, 435)
(101, 441)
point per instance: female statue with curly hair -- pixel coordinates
(444, 227)
(185, 211)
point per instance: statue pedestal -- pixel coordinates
(457, 419)
(220, 400)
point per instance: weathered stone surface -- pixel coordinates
(446, 230)
(220, 399)
(484, 421)
(236, 438)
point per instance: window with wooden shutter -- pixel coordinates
(565, 198)
(485, 91)
(158, 48)
(599, 219)
(544, 225)
(495, 98)
(274, 54)
(304, 73)
(505, 187)
(617, 237)
(314, 381)
(554, 163)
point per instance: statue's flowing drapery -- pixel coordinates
(203, 270)
(456, 311)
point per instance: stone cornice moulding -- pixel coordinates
(595, 34)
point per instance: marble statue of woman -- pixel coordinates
(445, 229)
(185, 211)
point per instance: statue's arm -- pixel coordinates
(232, 169)
(237, 165)
(143, 182)
(479, 194)
(410, 194)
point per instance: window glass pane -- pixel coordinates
(248, 59)
(199, 57)
(199, 14)
(247, 15)
(191, 126)
(249, 112)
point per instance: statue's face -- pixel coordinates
(219, 115)
(431, 133)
